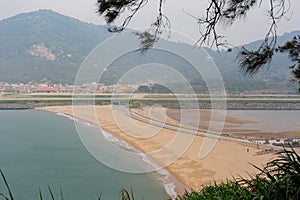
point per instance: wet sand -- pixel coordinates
(232, 126)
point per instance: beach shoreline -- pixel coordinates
(189, 171)
(170, 183)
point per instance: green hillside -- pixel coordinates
(68, 39)
(44, 45)
(276, 75)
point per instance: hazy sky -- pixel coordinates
(252, 28)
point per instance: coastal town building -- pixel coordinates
(47, 87)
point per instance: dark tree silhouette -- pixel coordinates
(218, 12)
(293, 49)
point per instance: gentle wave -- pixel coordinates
(65, 115)
(168, 186)
(75, 119)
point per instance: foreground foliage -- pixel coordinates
(228, 190)
(279, 179)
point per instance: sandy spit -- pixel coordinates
(177, 152)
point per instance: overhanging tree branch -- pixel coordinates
(250, 61)
(293, 49)
(218, 12)
(112, 9)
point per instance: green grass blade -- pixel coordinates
(2, 195)
(7, 186)
(61, 194)
(125, 195)
(51, 193)
(100, 196)
(40, 194)
(132, 196)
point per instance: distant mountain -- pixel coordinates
(277, 75)
(44, 45)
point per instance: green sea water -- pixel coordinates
(40, 149)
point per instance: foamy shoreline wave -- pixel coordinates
(168, 185)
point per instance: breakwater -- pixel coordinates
(235, 106)
(174, 105)
(26, 106)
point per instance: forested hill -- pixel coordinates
(45, 45)
(276, 75)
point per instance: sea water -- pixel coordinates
(40, 149)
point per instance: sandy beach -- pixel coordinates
(177, 152)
